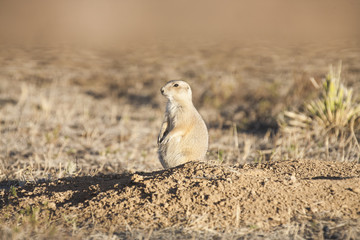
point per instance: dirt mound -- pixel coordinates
(198, 195)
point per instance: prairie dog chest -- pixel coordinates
(179, 116)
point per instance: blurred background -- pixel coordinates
(114, 22)
(80, 80)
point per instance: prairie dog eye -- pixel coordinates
(176, 85)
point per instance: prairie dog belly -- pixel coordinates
(170, 152)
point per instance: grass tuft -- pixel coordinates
(333, 116)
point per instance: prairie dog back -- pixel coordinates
(183, 134)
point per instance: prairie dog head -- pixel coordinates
(177, 91)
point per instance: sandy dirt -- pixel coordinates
(198, 196)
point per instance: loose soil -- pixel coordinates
(198, 196)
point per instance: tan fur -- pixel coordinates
(183, 135)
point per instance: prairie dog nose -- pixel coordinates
(162, 90)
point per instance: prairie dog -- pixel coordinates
(183, 134)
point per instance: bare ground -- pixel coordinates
(201, 197)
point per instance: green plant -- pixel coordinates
(220, 156)
(334, 110)
(333, 118)
(13, 191)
